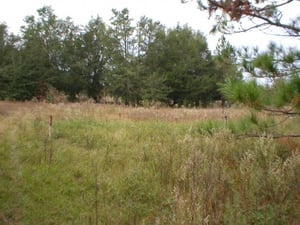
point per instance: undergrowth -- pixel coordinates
(100, 171)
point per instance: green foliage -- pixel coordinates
(248, 93)
(283, 93)
(226, 60)
(182, 58)
(155, 89)
(122, 31)
(95, 56)
(9, 66)
(251, 124)
(210, 127)
(131, 63)
(275, 63)
(287, 91)
(265, 62)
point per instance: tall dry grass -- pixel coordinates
(106, 111)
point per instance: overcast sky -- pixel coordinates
(168, 12)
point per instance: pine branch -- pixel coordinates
(237, 9)
(281, 111)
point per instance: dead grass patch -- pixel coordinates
(117, 112)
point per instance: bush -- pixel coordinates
(55, 96)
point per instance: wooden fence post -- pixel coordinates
(50, 127)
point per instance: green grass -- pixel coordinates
(106, 171)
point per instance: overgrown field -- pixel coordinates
(105, 164)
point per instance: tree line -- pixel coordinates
(136, 63)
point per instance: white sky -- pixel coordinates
(168, 12)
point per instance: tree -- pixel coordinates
(130, 77)
(68, 59)
(123, 80)
(123, 32)
(35, 67)
(50, 56)
(153, 88)
(181, 57)
(96, 55)
(43, 60)
(146, 31)
(9, 60)
(226, 59)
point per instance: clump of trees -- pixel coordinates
(133, 63)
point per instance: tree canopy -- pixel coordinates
(134, 63)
